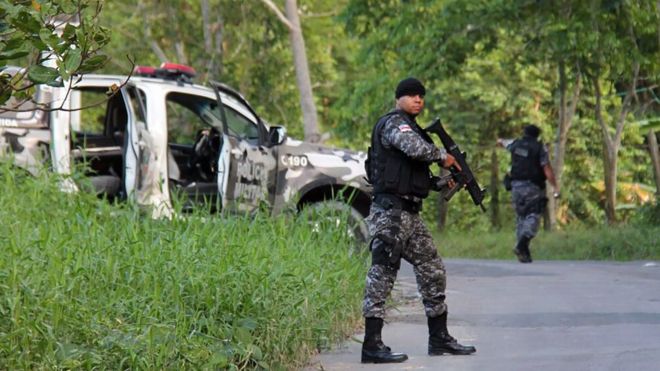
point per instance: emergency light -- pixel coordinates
(167, 70)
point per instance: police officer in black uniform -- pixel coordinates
(398, 167)
(530, 167)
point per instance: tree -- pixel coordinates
(620, 54)
(54, 41)
(655, 158)
(292, 21)
(249, 47)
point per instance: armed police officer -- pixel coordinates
(530, 167)
(399, 170)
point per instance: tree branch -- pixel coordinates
(279, 14)
(114, 89)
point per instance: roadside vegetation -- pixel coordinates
(85, 284)
(621, 243)
(638, 239)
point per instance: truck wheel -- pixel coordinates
(334, 213)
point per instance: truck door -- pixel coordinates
(247, 162)
(141, 166)
(60, 132)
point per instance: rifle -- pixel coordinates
(464, 177)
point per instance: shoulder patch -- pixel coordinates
(404, 127)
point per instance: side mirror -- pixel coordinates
(276, 135)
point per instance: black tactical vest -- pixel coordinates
(391, 171)
(526, 161)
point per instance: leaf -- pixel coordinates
(42, 74)
(649, 124)
(38, 44)
(27, 23)
(5, 94)
(81, 38)
(93, 63)
(15, 43)
(14, 54)
(68, 7)
(72, 60)
(69, 32)
(46, 35)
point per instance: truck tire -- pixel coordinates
(330, 213)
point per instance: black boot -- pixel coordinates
(440, 342)
(373, 349)
(522, 250)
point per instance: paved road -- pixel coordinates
(540, 316)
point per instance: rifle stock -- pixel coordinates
(464, 177)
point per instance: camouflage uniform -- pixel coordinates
(526, 197)
(408, 229)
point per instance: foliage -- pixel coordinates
(250, 49)
(65, 32)
(649, 214)
(86, 284)
(621, 243)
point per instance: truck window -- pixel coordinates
(240, 125)
(187, 115)
(92, 118)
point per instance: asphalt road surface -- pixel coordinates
(555, 315)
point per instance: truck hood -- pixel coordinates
(345, 166)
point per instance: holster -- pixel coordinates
(387, 246)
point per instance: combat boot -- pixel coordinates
(522, 250)
(440, 342)
(373, 349)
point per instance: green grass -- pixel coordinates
(86, 284)
(619, 243)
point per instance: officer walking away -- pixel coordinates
(530, 167)
(398, 167)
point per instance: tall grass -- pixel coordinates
(86, 284)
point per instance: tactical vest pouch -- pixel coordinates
(421, 182)
(392, 174)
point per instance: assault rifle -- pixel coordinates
(464, 177)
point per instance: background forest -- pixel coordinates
(586, 72)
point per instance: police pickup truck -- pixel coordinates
(161, 136)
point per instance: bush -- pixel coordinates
(648, 214)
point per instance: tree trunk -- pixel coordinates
(219, 50)
(495, 220)
(310, 119)
(206, 25)
(566, 114)
(155, 47)
(208, 38)
(212, 32)
(655, 158)
(611, 145)
(609, 162)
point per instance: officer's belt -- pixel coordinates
(389, 201)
